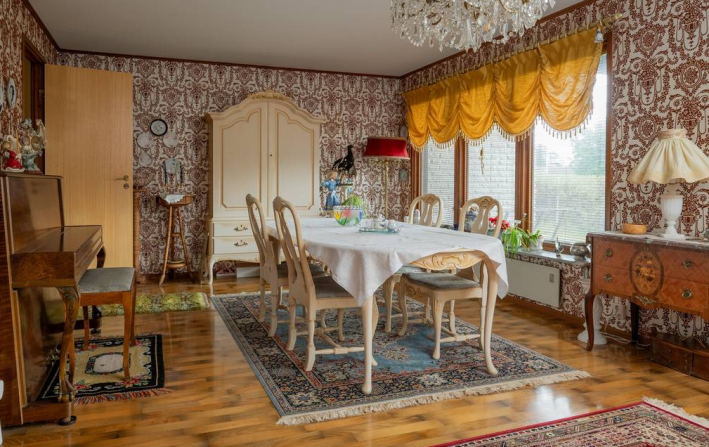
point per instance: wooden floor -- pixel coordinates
(217, 400)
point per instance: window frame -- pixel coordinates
(524, 171)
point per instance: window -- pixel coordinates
(569, 175)
(492, 173)
(437, 177)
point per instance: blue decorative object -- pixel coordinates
(332, 199)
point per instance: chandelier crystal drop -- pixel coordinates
(464, 24)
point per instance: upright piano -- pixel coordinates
(41, 263)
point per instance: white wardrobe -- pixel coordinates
(265, 146)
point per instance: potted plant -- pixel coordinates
(516, 237)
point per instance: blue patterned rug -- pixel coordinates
(406, 374)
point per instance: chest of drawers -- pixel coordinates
(651, 272)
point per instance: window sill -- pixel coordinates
(564, 258)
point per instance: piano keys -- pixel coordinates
(38, 252)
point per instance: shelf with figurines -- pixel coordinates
(20, 152)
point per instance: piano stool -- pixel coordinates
(114, 285)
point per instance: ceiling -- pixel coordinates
(333, 35)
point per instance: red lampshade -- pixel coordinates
(386, 148)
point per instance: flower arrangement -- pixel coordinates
(515, 237)
(505, 224)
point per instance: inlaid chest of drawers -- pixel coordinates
(651, 272)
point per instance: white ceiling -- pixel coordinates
(335, 35)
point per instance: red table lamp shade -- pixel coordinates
(386, 148)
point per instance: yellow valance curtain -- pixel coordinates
(554, 82)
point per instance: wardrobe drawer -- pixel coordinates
(612, 280)
(226, 245)
(688, 296)
(237, 228)
(685, 264)
(612, 253)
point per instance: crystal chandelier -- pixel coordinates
(464, 24)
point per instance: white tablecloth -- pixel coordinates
(362, 262)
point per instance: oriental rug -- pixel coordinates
(98, 376)
(406, 374)
(651, 423)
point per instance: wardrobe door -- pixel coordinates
(241, 160)
(294, 156)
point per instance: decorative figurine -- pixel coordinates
(345, 164)
(173, 176)
(11, 161)
(331, 184)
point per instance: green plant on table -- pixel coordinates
(356, 201)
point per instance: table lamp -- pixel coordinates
(386, 148)
(672, 158)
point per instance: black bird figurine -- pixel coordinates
(346, 163)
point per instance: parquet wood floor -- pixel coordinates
(217, 400)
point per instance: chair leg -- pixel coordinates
(133, 341)
(127, 331)
(483, 309)
(311, 343)
(340, 320)
(275, 302)
(323, 323)
(262, 306)
(437, 319)
(451, 317)
(404, 310)
(87, 332)
(292, 335)
(388, 296)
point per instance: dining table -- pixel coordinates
(361, 262)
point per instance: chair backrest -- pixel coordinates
(267, 257)
(481, 224)
(428, 203)
(300, 280)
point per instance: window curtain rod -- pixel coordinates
(606, 21)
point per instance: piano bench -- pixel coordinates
(115, 285)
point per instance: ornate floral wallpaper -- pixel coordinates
(15, 23)
(182, 93)
(660, 78)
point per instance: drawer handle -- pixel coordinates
(609, 253)
(240, 228)
(608, 277)
(687, 264)
(241, 244)
(687, 294)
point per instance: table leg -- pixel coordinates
(367, 316)
(589, 319)
(168, 241)
(634, 323)
(71, 297)
(492, 279)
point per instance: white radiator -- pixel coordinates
(535, 282)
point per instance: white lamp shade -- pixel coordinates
(672, 157)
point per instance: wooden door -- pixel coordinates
(294, 157)
(89, 121)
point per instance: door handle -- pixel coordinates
(126, 186)
(124, 178)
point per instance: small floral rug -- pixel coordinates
(406, 374)
(651, 423)
(157, 304)
(98, 376)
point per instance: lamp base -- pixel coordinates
(671, 204)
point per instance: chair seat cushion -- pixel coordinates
(108, 280)
(409, 269)
(441, 281)
(314, 270)
(326, 287)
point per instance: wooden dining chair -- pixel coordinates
(272, 272)
(427, 205)
(481, 225)
(441, 288)
(315, 294)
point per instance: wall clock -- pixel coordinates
(158, 127)
(11, 93)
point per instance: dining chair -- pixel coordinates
(315, 294)
(427, 204)
(441, 288)
(272, 272)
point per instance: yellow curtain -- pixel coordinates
(554, 81)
